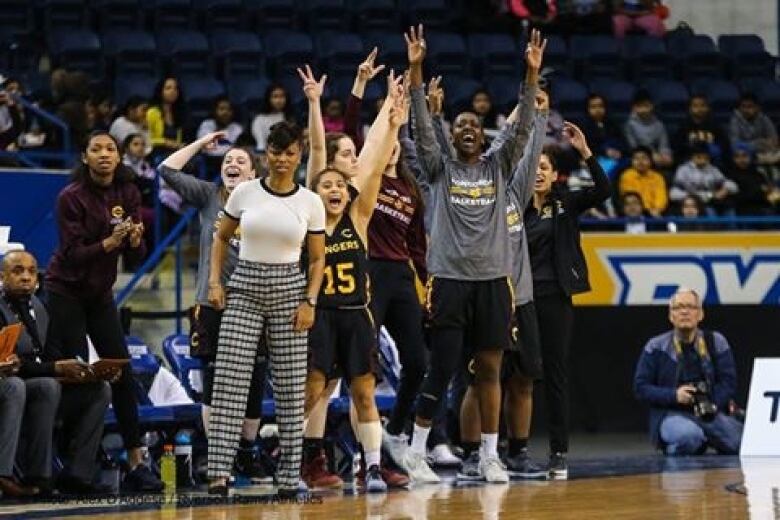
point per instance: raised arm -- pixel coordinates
(428, 151)
(318, 155)
(377, 153)
(600, 191)
(436, 108)
(522, 183)
(366, 71)
(511, 148)
(193, 191)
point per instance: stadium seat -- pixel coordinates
(769, 96)
(187, 52)
(647, 58)
(447, 53)
(458, 92)
(375, 15)
(339, 53)
(176, 350)
(133, 85)
(503, 90)
(696, 57)
(493, 54)
(722, 96)
(76, 50)
(63, 14)
(248, 93)
(287, 50)
(569, 97)
(619, 95)
(17, 17)
(327, 15)
(597, 56)
(392, 49)
(274, 14)
(434, 14)
(670, 99)
(172, 15)
(747, 56)
(556, 55)
(131, 52)
(239, 53)
(199, 94)
(221, 15)
(123, 15)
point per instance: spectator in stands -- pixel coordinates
(637, 15)
(757, 195)
(100, 111)
(539, 12)
(603, 134)
(166, 117)
(584, 16)
(276, 108)
(238, 165)
(648, 183)
(11, 116)
(482, 105)
(42, 399)
(632, 209)
(700, 127)
(568, 158)
(750, 125)
(678, 371)
(72, 109)
(132, 121)
(689, 208)
(333, 115)
(98, 216)
(643, 128)
(222, 120)
(134, 157)
(699, 177)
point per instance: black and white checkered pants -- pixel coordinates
(259, 297)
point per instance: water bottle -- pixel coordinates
(168, 469)
(183, 453)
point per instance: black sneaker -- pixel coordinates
(142, 480)
(69, 485)
(469, 468)
(521, 467)
(249, 465)
(559, 468)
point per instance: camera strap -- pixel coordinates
(703, 349)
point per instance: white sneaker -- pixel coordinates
(441, 455)
(395, 446)
(418, 469)
(493, 470)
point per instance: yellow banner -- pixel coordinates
(725, 268)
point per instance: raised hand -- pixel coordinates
(311, 87)
(415, 45)
(435, 96)
(399, 111)
(211, 141)
(395, 85)
(535, 50)
(367, 70)
(577, 139)
(136, 234)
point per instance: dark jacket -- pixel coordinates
(708, 131)
(753, 187)
(606, 135)
(570, 265)
(656, 377)
(37, 358)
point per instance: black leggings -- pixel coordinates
(395, 305)
(555, 315)
(71, 319)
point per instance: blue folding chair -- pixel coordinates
(176, 349)
(598, 56)
(670, 99)
(327, 15)
(697, 57)
(172, 15)
(274, 14)
(747, 56)
(392, 49)
(239, 53)
(119, 15)
(76, 49)
(339, 53)
(448, 53)
(569, 97)
(63, 15)
(221, 15)
(375, 15)
(199, 94)
(287, 50)
(647, 57)
(494, 54)
(187, 52)
(619, 95)
(131, 52)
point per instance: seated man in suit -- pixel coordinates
(36, 396)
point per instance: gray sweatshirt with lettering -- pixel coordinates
(468, 202)
(206, 197)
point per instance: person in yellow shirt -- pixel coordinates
(166, 114)
(645, 181)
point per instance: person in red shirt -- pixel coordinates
(99, 219)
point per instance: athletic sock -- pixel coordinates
(420, 439)
(469, 448)
(517, 445)
(489, 445)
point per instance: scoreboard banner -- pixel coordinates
(724, 268)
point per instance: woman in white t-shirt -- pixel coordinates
(268, 293)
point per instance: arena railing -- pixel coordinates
(683, 224)
(64, 157)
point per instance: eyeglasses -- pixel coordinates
(685, 306)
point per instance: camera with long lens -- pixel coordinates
(703, 407)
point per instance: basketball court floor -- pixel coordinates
(624, 486)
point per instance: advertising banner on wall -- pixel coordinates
(725, 268)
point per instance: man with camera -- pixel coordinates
(687, 376)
